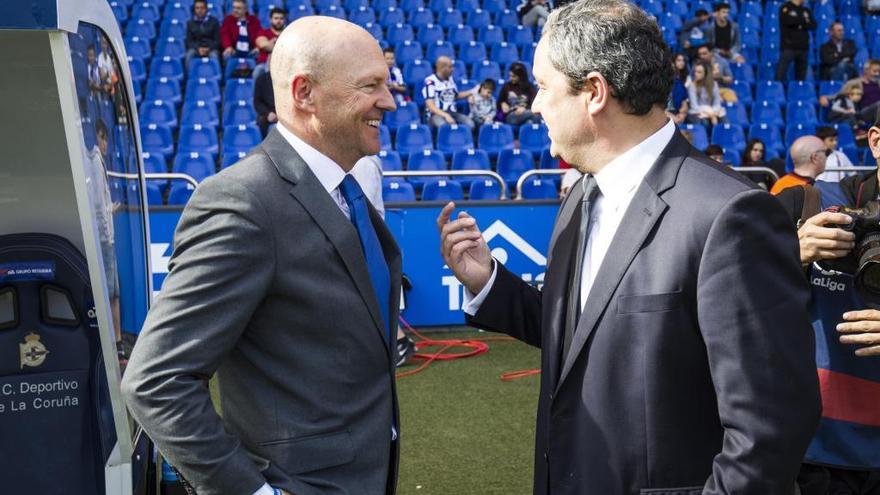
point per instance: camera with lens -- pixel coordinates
(863, 262)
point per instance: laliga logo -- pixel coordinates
(829, 284)
(498, 229)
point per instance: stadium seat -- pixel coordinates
(407, 113)
(803, 91)
(769, 134)
(239, 89)
(771, 91)
(743, 90)
(493, 6)
(203, 89)
(794, 131)
(325, 4)
(766, 112)
(461, 34)
(429, 34)
(163, 89)
(333, 11)
(539, 188)
(449, 18)
(407, 51)
(168, 67)
(205, 68)
(742, 71)
(424, 161)
(200, 112)
(495, 138)
(830, 88)
(384, 138)
(413, 138)
(800, 112)
(237, 65)
(141, 29)
(699, 137)
(512, 163)
(479, 19)
(158, 112)
(240, 112)
(154, 163)
(390, 160)
(391, 17)
(170, 47)
(243, 136)
(176, 11)
(490, 34)
(736, 113)
(845, 136)
(375, 30)
(137, 70)
(198, 138)
(534, 138)
(440, 49)
(484, 189)
(199, 166)
(157, 139)
(504, 53)
(120, 12)
(154, 194)
(420, 17)
(231, 157)
(442, 190)
(146, 11)
(453, 138)
(547, 160)
(507, 19)
(397, 190)
(180, 193)
(466, 6)
(472, 52)
(415, 72)
(172, 27)
(486, 70)
(411, 5)
(729, 137)
(362, 15)
(520, 35)
(439, 6)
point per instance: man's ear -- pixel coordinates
(301, 89)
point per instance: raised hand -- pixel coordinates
(463, 249)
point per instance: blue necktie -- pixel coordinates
(360, 217)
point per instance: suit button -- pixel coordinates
(551, 396)
(546, 457)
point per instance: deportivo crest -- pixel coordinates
(32, 351)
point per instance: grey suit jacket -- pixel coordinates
(269, 290)
(691, 370)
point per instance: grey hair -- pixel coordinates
(618, 40)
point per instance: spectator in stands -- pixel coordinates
(715, 152)
(723, 34)
(396, 84)
(721, 72)
(440, 93)
(837, 56)
(483, 106)
(516, 96)
(703, 97)
(266, 39)
(754, 156)
(693, 32)
(678, 100)
(264, 100)
(795, 23)
(105, 67)
(93, 71)
(844, 107)
(808, 153)
(202, 33)
(868, 105)
(837, 159)
(238, 35)
(533, 12)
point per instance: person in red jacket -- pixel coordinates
(239, 32)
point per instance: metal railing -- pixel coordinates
(763, 170)
(172, 176)
(531, 173)
(448, 173)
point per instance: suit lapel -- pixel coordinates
(309, 192)
(641, 216)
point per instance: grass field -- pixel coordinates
(464, 431)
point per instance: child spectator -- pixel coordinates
(836, 160)
(395, 76)
(844, 106)
(483, 103)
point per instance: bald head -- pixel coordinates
(806, 157)
(443, 67)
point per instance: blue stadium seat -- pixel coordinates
(157, 139)
(438, 49)
(506, 19)
(830, 88)
(407, 113)
(167, 67)
(547, 160)
(769, 134)
(845, 136)
(158, 112)
(472, 52)
(244, 136)
(486, 69)
(176, 11)
(429, 34)
(453, 138)
(520, 35)
(413, 138)
(180, 193)
(415, 72)
(137, 70)
(411, 5)
(479, 19)
(467, 6)
(198, 138)
(700, 138)
(200, 112)
(736, 113)
(514, 162)
(384, 137)
(742, 71)
(390, 17)
(504, 53)
(231, 157)
(170, 47)
(459, 71)
(471, 159)
(439, 6)
(390, 160)
(743, 91)
(163, 89)
(420, 17)
(729, 137)
(771, 91)
(154, 194)
(120, 12)
(199, 166)
(333, 11)
(375, 30)
(493, 6)
(154, 163)
(239, 89)
(425, 160)
(442, 190)
(800, 112)
(173, 27)
(203, 89)
(534, 138)
(325, 4)
(868, 159)
(490, 34)
(460, 35)
(142, 29)
(803, 91)
(794, 131)
(399, 33)
(397, 190)
(495, 138)
(138, 93)
(407, 51)
(539, 188)
(765, 112)
(205, 68)
(449, 18)
(527, 53)
(146, 11)
(362, 15)
(236, 64)
(484, 189)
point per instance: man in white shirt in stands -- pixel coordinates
(440, 93)
(836, 160)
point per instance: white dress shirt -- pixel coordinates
(367, 171)
(618, 182)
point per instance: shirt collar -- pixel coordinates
(328, 172)
(623, 174)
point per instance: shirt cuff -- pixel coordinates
(265, 490)
(471, 303)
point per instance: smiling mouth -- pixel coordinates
(373, 123)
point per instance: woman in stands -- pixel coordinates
(753, 156)
(678, 100)
(516, 96)
(704, 98)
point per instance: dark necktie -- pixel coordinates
(591, 192)
(376, 265)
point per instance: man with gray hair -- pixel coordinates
(809, 156)
(677, 356)
(284, 284)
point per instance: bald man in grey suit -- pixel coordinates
(276, 290)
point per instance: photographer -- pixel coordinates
(844, 455)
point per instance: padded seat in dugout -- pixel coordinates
(59, 419)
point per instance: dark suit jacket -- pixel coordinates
(269, 289)
(205, 33)
(829, 56)
(692, 369)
